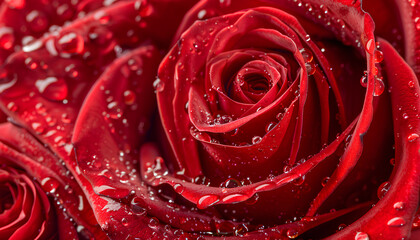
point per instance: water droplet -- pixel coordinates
(411, 84)
(201, 14)
(392, 161)
(256, 139)
(179, 188)
(138, 206)
(341, 226)
(379, 56)
(416, 221)
(203, 180)
(12, 106)
(379, 87)
(52, 88)
(253, 199)
(64, 12)
(325, 181)
(241, 230)
(287, 169)
(363, 80)
(124, 221)
(361, 236)
(114, 111)
(264, 187)
(310, 68)
(412, 137)
(207, 201)
(396, 222)
(49, 184)
(370, 46)
(154, 222)
(299, 181)
(30, 63)
(40, 108)
(129, 97)
(102, 38)
(383, 189)
(37, 21)
(270, 126)
(307, 55)
(292, 233)
(399, 206)
(158, 85)
(70, 43)
(7, 38)
(37, 127)
(225, 3)
(204, 137)
(230, 183)
(225, 228)
(233, 198)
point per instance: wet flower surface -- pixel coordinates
(212, 119)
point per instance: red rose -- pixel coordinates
(25, 212)
(273, 119)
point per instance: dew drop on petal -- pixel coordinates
(325, 181)
(379, 56)
(299, 181)
(310, 68)
(270, 126)
(363, 80)
(256, 139)
(234, 198)
(7, 38)
(70, 43)
(65, 118)
(411, 84)
(399, 206)
(292, 233)
(230, 183)
(37, 127)
(253, 199)
(361, 236)
(383, 189)
(49, 184)
(158, 85)
(64, 12)
(225, 3)
(412, 137)
(52, 88)
(12, 106)
(179, 188)
(396, 222)
(129, 97)
(370, 46)
(392, 161)
(124, 221)
(207, 201)
(138, 206)
(379, 87)
(37, 21)
(307, 55)
(153, 222)
(30, 63)
(114, 111)
(287, 169)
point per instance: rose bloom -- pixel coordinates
(211, 119)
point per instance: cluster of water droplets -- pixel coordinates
(379, 85)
